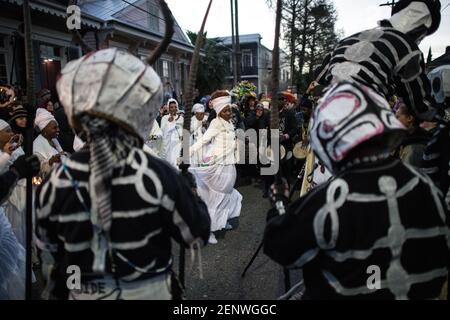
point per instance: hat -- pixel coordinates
(259, 106)
(433, 5)
(43, 118)
(18, 112)
(114, 85)
(4, 124)
(220, 103)
(198, 107)
(346, 117)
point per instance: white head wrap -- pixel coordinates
(220, 103)
(172, 101)
(43, 118)
(3, 124)
(412, 17)
(198, 107)
(115, 85)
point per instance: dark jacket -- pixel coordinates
(384, 216)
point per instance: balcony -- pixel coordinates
(249, 71)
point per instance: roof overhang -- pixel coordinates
(59, 11)
(139, 32)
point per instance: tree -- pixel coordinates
(309, 31)
(211, 70)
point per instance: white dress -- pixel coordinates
(155, 139)
(203, 155)
(12, 254)
(14, 207)
(44, 151)
(215, 180)
(12, 263)
(172, 135)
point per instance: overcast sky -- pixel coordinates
(256, 17)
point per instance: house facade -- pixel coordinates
(256, 62)
(133, 25)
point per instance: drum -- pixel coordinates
(300, 150)
(269, 153)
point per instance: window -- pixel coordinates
(153, 16)
(165, 70)
(247, 59)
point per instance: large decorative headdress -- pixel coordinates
(348, 116)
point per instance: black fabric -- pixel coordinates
(66, 135)
(395, 67)
(436, 160)
(288, 125)
(360, 225)
(7, 182)
(175, 211)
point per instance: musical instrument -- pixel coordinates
(300, 150)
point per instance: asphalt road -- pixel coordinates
(224, 262)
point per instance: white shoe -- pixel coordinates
(212, 239)
(228, 227)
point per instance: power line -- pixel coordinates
(143, 10)
(448, 4)
(391, 4)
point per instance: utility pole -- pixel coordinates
(233, 41)
(391, 4)
(238, 48)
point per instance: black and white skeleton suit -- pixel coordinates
(376, 217)
(388, 59)
(111, 209)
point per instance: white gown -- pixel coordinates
(215, 180)
(44, 151)
(155, 139)
(12, 263)
(203, 155)
(14, 207)
(172, 135)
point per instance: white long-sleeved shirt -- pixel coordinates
(44, 151)
(223, 137)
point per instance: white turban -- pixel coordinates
(43, 118)
(198, 107)
(172, 101)
(220, 103)
(3, 125)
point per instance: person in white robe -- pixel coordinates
(215, 180)
(14, 207)
(154, 140)
(12, 253)
(46, 146)
(172, 134)
(198, 128)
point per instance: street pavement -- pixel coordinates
(223, 263)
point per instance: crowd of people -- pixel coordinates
(373, 176)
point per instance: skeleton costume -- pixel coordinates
(388, 59)
(112, 208)
(172, 135)
(375, 214)
(215, 180)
